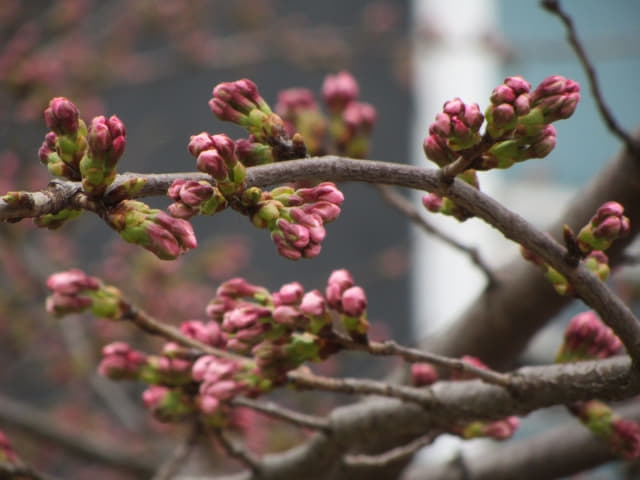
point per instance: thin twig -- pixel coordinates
(357, 386)
(151, 325)
(554, 7)
(179, 456)
(404, 206)
(237, 451)
(390, 347)
(394, 455)
(274, 410)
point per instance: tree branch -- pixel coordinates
(556, 453)
(33, 422)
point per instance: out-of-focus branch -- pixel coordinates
(556, 453)
(37, 424)
(380, 425)
(408, 209)
(179, 456)
(632, 144)
(501, 321)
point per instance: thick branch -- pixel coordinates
(556, 453)
(501, 321)
(381, 425)
(22, 417)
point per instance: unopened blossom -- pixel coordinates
(62, 116)
(339, 90)
(153, 229)
(587, 337)
(240, 102)
(120, 361)
(509, 101)
(607, 225)
(354, 301)
(423, 374)
(166, 404)
(339, 281)
(70, 292)
(209, 333)
(106, 140)
(313, 303)
(252, 153)
(458, 125)
(556, 97)
(289, 294)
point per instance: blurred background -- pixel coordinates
(154, 64)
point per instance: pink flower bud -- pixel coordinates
(587, 337)
(312, 250)
(211, 162)
(360, 116)
(313, 303)
(354, 301)
(557, 97)
(502, 429)
(62, 116)
(208, 333)
(199, 143)
(72, 282)
(237, 287)
(286, 315)
(154, 396)
(295, 235)
(432, 202)
(120, 361)
(339, 281)
(339, 90)
(625, 438)
(289, 294)
(423, 374)
(222, 390)
(293, 100)
(436, 149)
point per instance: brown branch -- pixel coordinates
(554, 7)
(179, 456)
(237, 451)
(397, 454)
(35, 423)
(379, 425)
(501, 321)
(404, 206)
(274, 410)
(555, 453)
(389, 347)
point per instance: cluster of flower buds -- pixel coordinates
(240, 102)
(153, 229)
(596, 261)
(607, 225)
(301, 114)
(73, 152)
(586, 338)
(106, 140)
(252, 153)
(75, 291)
(65, 145)
(518, 125)
(350, 300)
(295, 218)
(351, 121)
(121, 362)
(191, 198)
(519, 121)
(622, 436)
(216, 156)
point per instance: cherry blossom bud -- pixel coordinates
(289, 294)
(607, 225)
(208, 333)
(354, 301)
(432, 202)
(423, 374)
(313, 303)
(339, 281)
(339, 90)
(586, 337)
(557, 98)
(120, 361)
(62, 116)
(199, 143)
